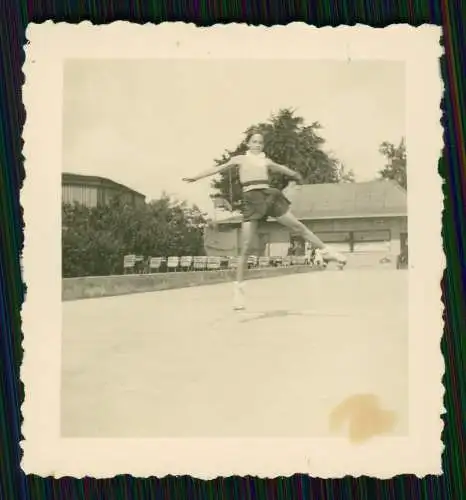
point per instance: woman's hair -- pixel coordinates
(253, 132)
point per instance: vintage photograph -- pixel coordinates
(271, 218)
(229, 251)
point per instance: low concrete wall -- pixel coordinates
(107, 286)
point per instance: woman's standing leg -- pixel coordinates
(248, 232)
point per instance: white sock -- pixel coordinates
(239, 295)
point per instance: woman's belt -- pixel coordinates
(258, 183)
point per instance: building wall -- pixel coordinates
(222, 241)
(92, 195)
(84, 195)
(273, 241)
(349, 235)
(225, 240)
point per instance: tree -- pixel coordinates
(288, 141)
(395, 168)
(345, 175)
(95, 240)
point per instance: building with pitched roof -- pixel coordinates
(353, 217)
(91, 190)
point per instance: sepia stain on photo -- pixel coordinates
(234, 249)
(363, 418)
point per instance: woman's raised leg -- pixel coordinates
(291, 222)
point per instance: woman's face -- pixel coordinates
(256, 143)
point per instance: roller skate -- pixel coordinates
(330, 255)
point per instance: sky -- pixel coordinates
(148, 123)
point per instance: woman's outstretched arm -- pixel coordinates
(281, 169)
(232, 162)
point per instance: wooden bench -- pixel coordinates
(186, 262)
(252, 261)
(173, 263)
(214, 263)
(200, 263)
(155, 264)
(264, 262)
(129, 262)
(233, 262)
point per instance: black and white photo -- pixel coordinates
(230, 243)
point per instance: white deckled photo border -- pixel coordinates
(45, 452)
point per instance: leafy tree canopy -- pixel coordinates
(288, 141)
(395, 168)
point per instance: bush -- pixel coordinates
(95, 240)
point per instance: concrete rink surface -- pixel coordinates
(181, 363)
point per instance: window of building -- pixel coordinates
(334, 237)
(371, 241)
(371, 236)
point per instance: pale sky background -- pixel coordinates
(148, 123)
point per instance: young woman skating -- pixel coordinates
(261, 201)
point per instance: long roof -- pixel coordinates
(79, 179)
(380, 198)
